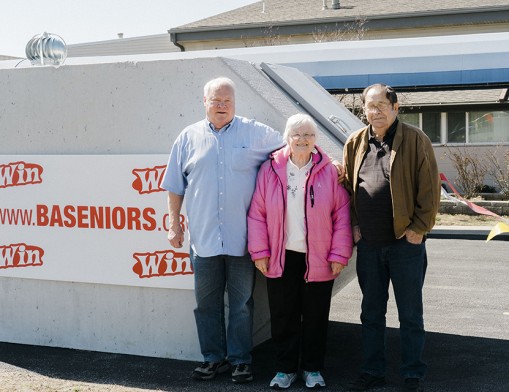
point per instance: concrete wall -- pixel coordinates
(499, 207)
(115, 108)
(127, 107)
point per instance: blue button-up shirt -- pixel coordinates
(216, 171)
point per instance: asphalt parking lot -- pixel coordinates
(466, 315)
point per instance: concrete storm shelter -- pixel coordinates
(84, 259)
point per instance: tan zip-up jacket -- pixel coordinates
(415, 183)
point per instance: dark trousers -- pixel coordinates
(403, 264)
(299, 313)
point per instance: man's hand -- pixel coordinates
(176, 236)
(262, 265)
(413, 237)
(337, 268)
(175, 232)
(356, 232)
(341, 171)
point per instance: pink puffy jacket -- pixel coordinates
(327, 204)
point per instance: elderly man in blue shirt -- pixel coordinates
(215, 162)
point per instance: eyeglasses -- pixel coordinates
(380, 107)
(214, 102)
(297, 136)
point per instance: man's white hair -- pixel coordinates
(216, 83)
(297, 121)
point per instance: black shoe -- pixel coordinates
(413, 385)
(242, 373)
(208, 370)
(366, 381)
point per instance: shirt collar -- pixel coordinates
(390, 132)
(224, 129)
(306, 166)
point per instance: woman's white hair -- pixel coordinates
(216, 83)
(297, 121)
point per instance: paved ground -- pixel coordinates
(466, 314)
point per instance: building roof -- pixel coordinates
(455, 97)
(3, 57)
(158, 43)
(439, 98)
(280, 12)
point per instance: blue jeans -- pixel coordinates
(212, 275)
(403, 264)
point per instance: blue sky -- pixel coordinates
(79, 21)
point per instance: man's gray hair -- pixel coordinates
(297, 121)
(218, 82)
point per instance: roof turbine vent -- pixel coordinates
(335, 5)
(46, 49)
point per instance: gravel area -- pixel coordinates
(466, 220)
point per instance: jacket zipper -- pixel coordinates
(312, 197)
(284, 215)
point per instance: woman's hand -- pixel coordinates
(356, 232)
(262, 265)
(341, 171)
(337, 268)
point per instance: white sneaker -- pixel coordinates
(283, 380)
(313, 379)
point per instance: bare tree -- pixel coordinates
(347, 32)
(269, 37)
(353, 31)
(471, 171)
(499, 171)
(354, 103)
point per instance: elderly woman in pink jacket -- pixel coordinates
(299, 237)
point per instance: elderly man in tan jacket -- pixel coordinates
(392, 174)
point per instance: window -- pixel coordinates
(456, 127)
(462, 127)
(486, 127)
(410, 118)
(431, 126)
